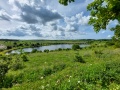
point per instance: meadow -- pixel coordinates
(96, 67)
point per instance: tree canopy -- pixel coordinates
(102, 12)
(65, 2)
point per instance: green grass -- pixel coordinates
(57, 70)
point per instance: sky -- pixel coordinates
(47, 19)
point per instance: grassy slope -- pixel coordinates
(57, 71)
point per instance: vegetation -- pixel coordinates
(75, 46)
(93, 67)
(102, 12)
(65, 2)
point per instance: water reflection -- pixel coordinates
(50, 47)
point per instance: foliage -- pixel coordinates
(59, 49)
(3, 71)
(75, 46)
(79, 58)
(102, 12)
(34, 50)
(117, 44)
(59, 67)
(46, 50)
(16, 64)
(24, 58)
(57, 71)
(65, 2)
(47, 71)
(116, 31)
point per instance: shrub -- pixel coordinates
(117, 44)
(34, 50)
(47, 71)
(16, 64)
(46, 50)
(79, 59)
(59, 49)
(98, 52)
(24, 58)
(110, 43)
(58, 67)
(75, 46)
(68, 49)
(3, 70)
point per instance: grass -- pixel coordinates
(57, 70)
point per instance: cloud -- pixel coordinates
(36, 14)
(103, 32)
(23, 30)
(75, 22)
(109, 36)
(4, 15)
(47, 19)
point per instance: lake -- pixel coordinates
(49, 47)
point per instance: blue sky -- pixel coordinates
(47, 19)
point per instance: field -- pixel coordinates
(92, 68)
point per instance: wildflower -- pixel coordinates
(70, 76)
(68, 80)
(58, 81)
(42, 87)
(47, 85)
(41, 78)
(78, 81)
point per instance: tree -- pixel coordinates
(65, 2)
(116, 31)
(75, 46)
(102, 12)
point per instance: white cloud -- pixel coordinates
(46, 19)
(109, 36)
(103, 32)
(4, 15)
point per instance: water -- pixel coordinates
(50, 47)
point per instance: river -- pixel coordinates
(49, 47)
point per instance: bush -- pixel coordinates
(34, 50)
(58, 67)
(46, 50)
(47, 71)
(59, 49)
(3, 70)
(110, 43)
(16, 64)
(79, 59)
(98, 52)
(117, 44)
(24, 58)
(75, 46)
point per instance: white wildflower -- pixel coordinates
(78, 81)
(42, 87)
(41, 78)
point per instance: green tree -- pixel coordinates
(75, 46)
(65, 2)
(102, 12)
